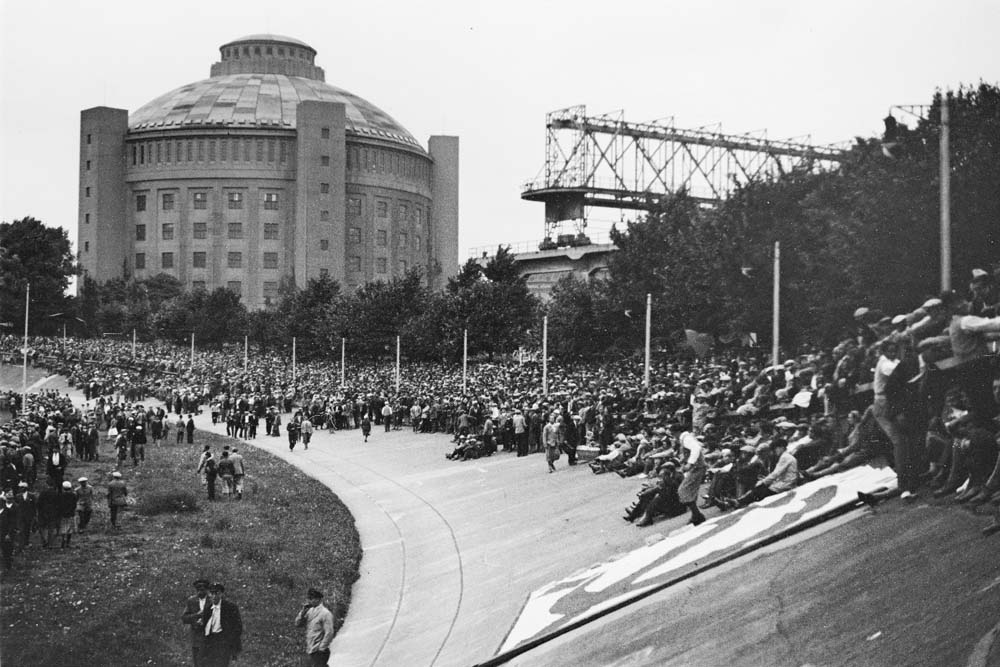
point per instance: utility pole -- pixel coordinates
(776, 310)
(945, 196)
(545, 355)
(649, 314)
(24, 368)
(465, 358)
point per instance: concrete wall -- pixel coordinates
(101, 239)
(320, 229)
(444, 216)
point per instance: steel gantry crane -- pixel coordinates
(608, 162)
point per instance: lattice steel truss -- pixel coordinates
(608, 162)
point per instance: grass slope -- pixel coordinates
(115, 598)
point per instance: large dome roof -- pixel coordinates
(261, 100)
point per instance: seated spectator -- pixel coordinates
(784, 476)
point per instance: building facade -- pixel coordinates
(262, 173)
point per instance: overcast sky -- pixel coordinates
(489, 72)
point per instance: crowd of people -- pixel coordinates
(916, 388)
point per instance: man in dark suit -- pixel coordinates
(189, 427)
(223, 629)
(193, 610)
(8, 529)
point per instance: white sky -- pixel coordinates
(489, 72)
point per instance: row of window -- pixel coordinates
(199, 230)
(234, 260)
(404, 212)
(381, 264)
(394, 163)
(247, 51)
(199, 200)
(212, 150)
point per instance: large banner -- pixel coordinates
(589, 591)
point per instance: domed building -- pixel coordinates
(259, 173)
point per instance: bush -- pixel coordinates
(164, 502)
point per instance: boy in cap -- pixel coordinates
(318, 622)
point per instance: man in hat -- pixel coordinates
(192, 616)
(318, 622)
(784, 476)
(25, 502)
(8, 529)
(223, 629)
(85, 503)
(67, 513)
(117, 494)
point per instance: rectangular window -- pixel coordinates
(159, 151)
(381, 238)
(201, 150)
(168, 201)
(86, 246)
(140, 202)
(260, 150)
(142, 154)
(135, 155)
(324, 216)
(86, 192)
(270, 150)
(380, 265)
(211, 150)
(354, 234)
(167, 231)
(418, 216)
(355, 263)
(246, 150)
(198, 260)
(403, 211)
(140, 260)
(403, 239)
(324, 273)
(271, 232)
(324, 133)
(271, 201)
(88, 164)
(416, 243)
(270, 290)
(167, 260)
(324, 161)
(234, 260)
(201, 200)
(86, 218)
(283, 152)
(223, 150)
(235, 200)
(200, 230)
(324, 244)
(402, 266)
(190, 151)
(382, 209)
(324, 188)
(354, 205)
(235, 230)
(270, 260)
(197, 285)
(235, 286)
(140, 232)
(88, 138)
(166, 151)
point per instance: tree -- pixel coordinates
(32, 253)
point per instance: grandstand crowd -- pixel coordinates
(920, 389)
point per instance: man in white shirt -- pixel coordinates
(784, 476)
(318, 622)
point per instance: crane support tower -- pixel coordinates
(609, 162)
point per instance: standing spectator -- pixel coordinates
(227, 471)
(240, 472)
(190, 430)
(194, 608)
(93, 438)
(387, 415)
(55, 466)
(28, 466)
(694, 470)
(550, 441)
(138, 445)
(8, 530)
(520, 434)
(179, 425)
(223, 629)
(121, 449)
(48, 515)
(307, 430)
(85, 503)
(318, 622)
(366, 426)
(67, 513)
(117, 494)
(26, 504)
(293, 434)
(211, 469)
